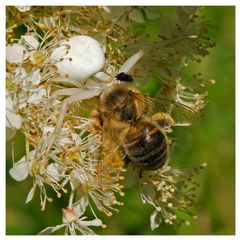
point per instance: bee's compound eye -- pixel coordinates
(124, 77)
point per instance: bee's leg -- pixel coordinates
(96, 116)
(163, 120)
(125, 157)
(127, 160)
(140, 173)
(75, 95)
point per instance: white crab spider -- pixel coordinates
(80, 66)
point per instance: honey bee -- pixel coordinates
(123, 115)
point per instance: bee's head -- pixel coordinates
(119, 102)
(114, 98)
(124, 77)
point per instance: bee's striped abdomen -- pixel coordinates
(146, 146)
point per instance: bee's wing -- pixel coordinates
(182, 114)
(143, 103)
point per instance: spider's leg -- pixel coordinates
(75, 95)
(130, 62)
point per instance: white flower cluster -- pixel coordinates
(170, 191)
(73, 220)
(24, 87)
(61, 146)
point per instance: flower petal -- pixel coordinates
(48, 129)
(74, 180)
(34, 77)
(155, 220)
(13, 120)
(16, 53)
(96, 222)
(19, 75)
(31, 41)
(49, 230)
(76, 138)
(31, 194)
(9, 104)
(37, 96)
(52, 172)
(64, 141)
(20, 170)
(81, 205)
(69, 215)
(22, 98)
(23, 8)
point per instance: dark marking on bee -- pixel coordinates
(124, 77)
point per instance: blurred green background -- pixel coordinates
(211, 140)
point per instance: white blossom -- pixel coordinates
(37, 95)
(30, 41)
(13, 119)
(20, 169)
(23, 8)
(155, 220)
(53, 172)
(16, 53)
(74, 221)
(31, 193)
(18, 75)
